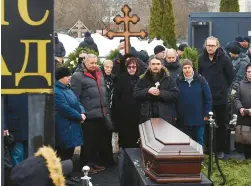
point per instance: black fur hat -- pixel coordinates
(62, 72)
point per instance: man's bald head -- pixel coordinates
(171, 55)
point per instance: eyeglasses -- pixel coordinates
(131, 67)
(211, 46)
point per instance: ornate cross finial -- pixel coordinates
(126, 34)
(79, 28)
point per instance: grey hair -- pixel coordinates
(107, 61)
(171, 50)
(88, 56)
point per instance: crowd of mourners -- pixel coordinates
(92, 102)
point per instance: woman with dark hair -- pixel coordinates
(126, 110)
(243, 105)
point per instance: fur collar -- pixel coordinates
(147, 73)
(53, 164)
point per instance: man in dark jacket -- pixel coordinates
(249, 53)
(217, 68)
(181, 49)
(89, 43)
(243, 105)
(88, 83)
(16, 117)
(157, 92)
(172, 63)
(239, 41)
(59, 47)
(239, 61)
(160, 52)
(246, 44)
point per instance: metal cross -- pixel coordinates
(126, 34)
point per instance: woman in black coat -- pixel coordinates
(243, 105)
(126, 110)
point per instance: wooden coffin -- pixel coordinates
(169, 155)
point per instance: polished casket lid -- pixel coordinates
(164, 141)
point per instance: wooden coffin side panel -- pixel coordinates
(177, 179)
(171, 168)
(169, 162)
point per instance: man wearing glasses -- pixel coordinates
(217, 68)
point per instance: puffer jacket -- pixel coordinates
(68, 117)
(91, 92)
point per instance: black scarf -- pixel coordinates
(174, 65)
(133, 79)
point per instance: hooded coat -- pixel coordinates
(163, 105)
(218, 73)
(89, 43)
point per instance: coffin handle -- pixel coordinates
(138, 141)
(149, 165)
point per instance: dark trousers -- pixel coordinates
(247, 151)
(19, 152)
(221, 118)
(106, 155)
(97, 145)
(65, 154)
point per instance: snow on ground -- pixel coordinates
(105, 45)
(70, 43)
